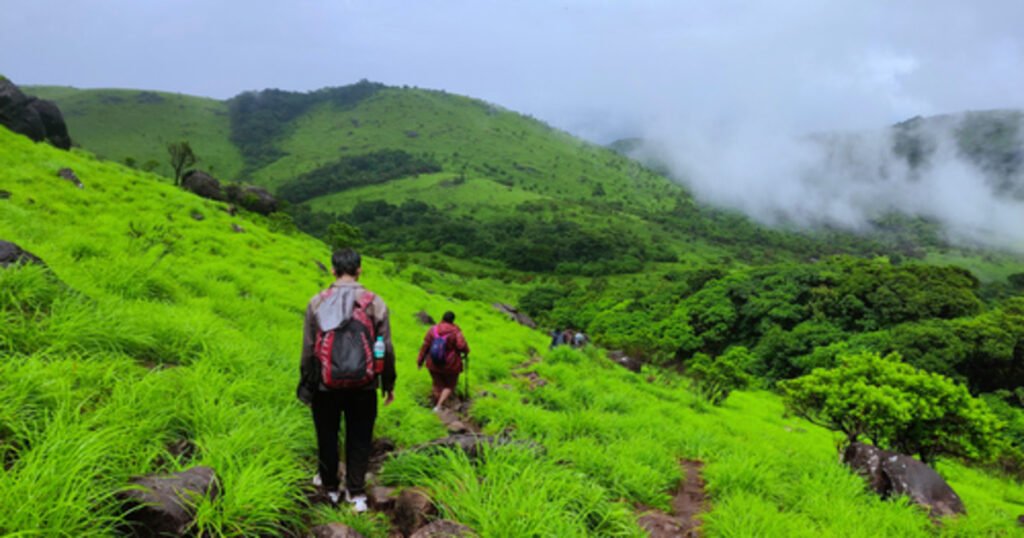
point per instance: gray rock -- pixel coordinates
(11, 254)
(35, 118)
(413, 509)
(164, 505)
(515, 315)
(891, 474)
(202, 184)
(69, 175)
(443, 528)
(424, 318)
(381, 498)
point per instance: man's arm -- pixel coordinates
(308, 374)
(422, 356)
(460, 343)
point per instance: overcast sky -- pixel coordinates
(601, 69)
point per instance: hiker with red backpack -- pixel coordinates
(346, 355)
(444, 351)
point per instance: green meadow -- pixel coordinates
(158, 322)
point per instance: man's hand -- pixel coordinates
(389, 397)
(419, 365)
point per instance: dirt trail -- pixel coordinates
(688, 503)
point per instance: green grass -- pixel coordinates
(120, 124)
(171, 328)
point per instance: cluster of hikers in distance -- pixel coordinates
(347, 355)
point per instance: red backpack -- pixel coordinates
(345, 353)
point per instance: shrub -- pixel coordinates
(895, 406)
(714, 379)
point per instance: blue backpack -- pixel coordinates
(438, 349)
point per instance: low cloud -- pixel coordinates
(928, 168)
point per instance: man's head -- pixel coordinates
(347, 262)
(448, 317)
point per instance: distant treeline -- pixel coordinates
(526, 243)
(356, 171)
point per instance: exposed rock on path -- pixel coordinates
(515, 315)
(688, 502)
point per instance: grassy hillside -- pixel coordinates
(172, 328)
(137, 125)
(494, 166)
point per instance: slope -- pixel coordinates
(136, 126)
(179, 329)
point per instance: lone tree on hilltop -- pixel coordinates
(182, 157)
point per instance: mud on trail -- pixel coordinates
(688, 503)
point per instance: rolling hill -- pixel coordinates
(487, 169)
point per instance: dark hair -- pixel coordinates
(449, 316)
(346, 262)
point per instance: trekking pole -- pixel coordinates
(466, 375)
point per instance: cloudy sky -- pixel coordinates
(599, 68)
(728, 88)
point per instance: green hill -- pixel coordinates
(486, 174)
(156, 327)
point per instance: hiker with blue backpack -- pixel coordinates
(346, 355)
(445, 353)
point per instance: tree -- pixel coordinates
(895, 406)
(344, 235)
(182, 157)
(715, 378)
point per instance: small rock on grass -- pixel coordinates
(381, 498)
(334, 530)
(413, 509)
(444, 529)
(161, 505)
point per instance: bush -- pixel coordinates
(714, 379)
(895, 406)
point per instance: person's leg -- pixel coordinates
(326, 419)
(360, 414)
(436, 386)
(450, 381)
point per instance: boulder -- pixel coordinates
(69, 175)
(5, 195)
(630, 363)
(334, 530)
(891, 474)
(257, 200)
(202, 184)
(443, 528)
(11, 254)
(53, 123)
(424, 318)
(237, 229)
(515, 315)
(35, 118)
(164, 505)
(413, 509)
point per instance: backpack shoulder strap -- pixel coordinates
(366, 299)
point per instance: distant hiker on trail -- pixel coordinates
(346, 354)
(556, 338)
(444, 349)
(579, 339)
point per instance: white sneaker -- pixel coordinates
(437, 409)
(317, 481)
(334, 497)
(358, 503)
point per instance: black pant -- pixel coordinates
(360, 409)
